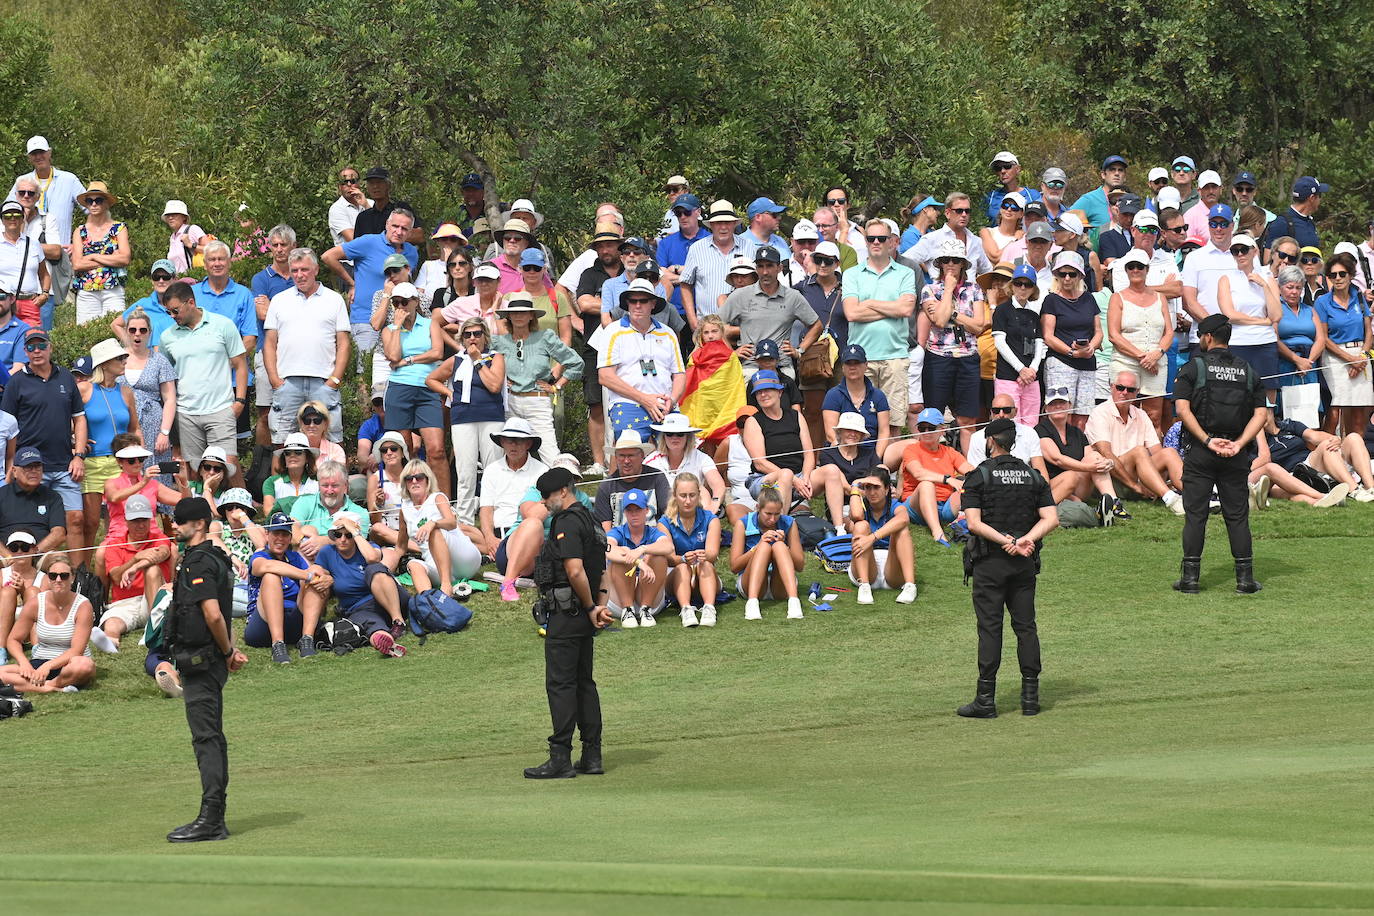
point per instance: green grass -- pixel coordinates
(1194, 752)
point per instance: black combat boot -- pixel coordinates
(590, 764)
(208, 825)
(558, 766)
(1030, 696)
(1245, 577)
(1188, 580)
(984, 705)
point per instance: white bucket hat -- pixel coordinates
(852, 422)
(517, 428)
(675, 422)
(295, 441)
(951, 249)
(106, 350)
(176, 206)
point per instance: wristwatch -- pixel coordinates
(165, 432)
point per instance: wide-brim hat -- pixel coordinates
(297, 441)
(1002, 271)
(107, 350)
(851, 421)
(518, 226)
(524, 205)
(630, 438)
(213, 453)
(100, 188)
(722, 211)
(517, 428)
(642, 286)
(235, 496)
(177, 207)
(394, 438)
(520, 306)
(133, 451)
(675, 422)
(608, 231)
(449, 231)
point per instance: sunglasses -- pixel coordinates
(675, 435)
(961, 210)
(295, 451)
(467, 334)
(15, 216)
(1056, 392)
(1306, 259)
(1218, 224)
(877, 239)
(35, 345)
(390, 448)
(353, 180)
(925, 428)
(214, 466)
(161, 277)
(97, 199)
(1183, 168)
(1007, 410)
(1338, 274)
(460, 263)
(1240, 250)
(1056, 185)
(139, 331)
(1023, 284)
(821, 260)
(1176, 228)
(1010, 205)
(1126, 388)
(1285, 257)
(531, 269)
(1137, 266)
(1065, 274)
(673, 189)
(1002, 166)
(25, 193)
(1245, 189)
(836, 201)
(311, 421)
(411, 478)
(59, 577)
(337, 534)
(129, 460)
(1147, 230)
(638, 300)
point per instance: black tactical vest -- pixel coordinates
(1223, 393)
(1009, 494)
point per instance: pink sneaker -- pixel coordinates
(508, 592)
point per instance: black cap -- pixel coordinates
(767, 348)
(648, 268)
(192, 509)
(1001, 425)
(767, 254)
(377, 172)
(1212, 323)
(552, 481)
(1129, 203)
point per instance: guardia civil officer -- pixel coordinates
(1219, 398)
(568, 572)
(1010, 509)
(197, 635)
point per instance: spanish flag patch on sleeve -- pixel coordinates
(197, 581)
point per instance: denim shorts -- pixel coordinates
(944, 510)
(70, 490)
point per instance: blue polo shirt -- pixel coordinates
(235, 303)
(158, 319)
(838, 400)
(368, 253)
(622, 536)
(12, 342)
(290, 588)
(1291, 222)
(1342, 324)
(43, 409)
(994, 204)
(267, 282)
(672, 252)
(350, 585)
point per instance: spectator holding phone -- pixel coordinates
(134, 478)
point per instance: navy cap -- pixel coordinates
(26, 456)
(1129, 203)
(854, 354)
(1212, 323)
(279, 521)
(766, 380)
(1221, 211)
(648, 268)
(1245, 178)
(637, 498)
(472, 180)
(635, 242)
(766, 349)
(1306, 186)
(377, 172)
(192, 509)
(82, 366)
(767, 254)
(764, 205)
(1001, 425)
(687, 202)
(1114, 160)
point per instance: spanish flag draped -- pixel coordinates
(715, 390)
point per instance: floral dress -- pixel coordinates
(101, 278)
(147, 390)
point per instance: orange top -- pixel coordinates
(943, 460)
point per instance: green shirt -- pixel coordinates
(885, 338)
(533, 360)
(205, 378)
(308, 510)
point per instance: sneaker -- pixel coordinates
(306, 646)
(388, 647)
(167, 683)
(907, 594)
(865, 593)
(1254, 496)
(1262, 495)
(1363, 495)
(508, 592)
(689, 616)
(628, 620)
(524, 582)
(595, 469)
(1173, 501)
(1337, 496)
(1119, 510)
(1105, 505)
(646, 618)
(279, 653)
(840, 532)
(751, 610)
(102, 641)
(708, 615)
(794, 611)
(71, 688)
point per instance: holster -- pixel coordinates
(564, 600)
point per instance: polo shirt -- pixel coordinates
(874, 402)
(672, 252)
(647, 360)
(911, 235)
(706, 267)
(12, 342)
(372, 221)
(1291, 222)
(761, 316)
(305, 327)
(350, 584)
(829, 309)
(43, 408)
(13, 264)
(885, 338)
(56, 198)
(121, 552)
(158, 319)
(368, 253)
(1342, 324)
(309, 510)
(267, 282)
(201, 355)
(37, 511)
(235, 303)
(1202, 270)
(504, 487)
(1094, 206)
(290, 588)
(993, 200)
(1073, 445)
(1105, 425)
(865, 461)
(623, 537)
(1288, 448)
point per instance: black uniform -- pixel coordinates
(573, 700)
(204, 572)
(1223, 391)
(1010, 494)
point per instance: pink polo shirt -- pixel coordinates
(1105, 423)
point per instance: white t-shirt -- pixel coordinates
(305, 330)
(504, 488)
(1364, 264)
(737, 472)
(342, 215)
(570, 277)
(9, 429)
(56, 198)
(430, 279)
(695, 461)
(1202, 270)
(1026, 446)
(1248, 299)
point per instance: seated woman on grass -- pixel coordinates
(882, 539)
(843, 464)
(384, 487)
(638, 562)
(766, 554)
(286, 595)
(293, 475)
(446, 553)
(60, 621)
(368, 593)
(696, 544)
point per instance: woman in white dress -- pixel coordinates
(1141, 331)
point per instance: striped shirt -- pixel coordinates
(55, 638)
(705, 271)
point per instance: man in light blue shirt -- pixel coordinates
(703, 274)
(1093, 205)
(763, 224)
(212, 376)
(368, 254)
(879, 299)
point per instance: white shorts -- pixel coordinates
(132, 611)
(1081, 385)
(880, 578)
(914, 394)
(262, 389)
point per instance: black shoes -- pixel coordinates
(1030, 696)
(590, 764)
(1245, 577)
(208, 825)
(279, 653)
(306, 646)
(1188, 581)
(984, 705)
(558, 766)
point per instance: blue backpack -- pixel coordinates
(434, 612)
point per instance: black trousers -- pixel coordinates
(204, 695)
(1204, 469)
(568, 680)
(1005, 584)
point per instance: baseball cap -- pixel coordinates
(927, 201)
(1070, 259)
(1005, 156)
(1146, 218)
(1069, 222)
(1208, 178)
(192, 509)
(279, 521)
(1025, 272)
(1129, 203)
(805, 231)
(766, 380)
(376, 171)
(82, 366)
(1036, 208)
(1015, 198)
(37, 143)
(164, 265)
(1242, 238)
(1158, 173)
(679, 181)
(687, 202)
(740, 266)
(11, 206)
(1306, 186)
(1135, 256)
(636, 498)
(999, 426)
(394, 261)
(1040, 232)
(1221, 211)
(764, 205)
(932, 416)
(404, 291)
(767, 254)
(1168, 198)
(648, 268)
(27, 456)
(831, 250)
(1114, 160)
(1184, 160)
(379, 390)
(636, 243)
(1053, 173)
(487, 271)
(854, 353)
(532, 257)
(137, 506)
(766, 349)
(470, 180)
(20, 536)
(1244, 178)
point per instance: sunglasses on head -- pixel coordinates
(1305, 259)
(1218, 224)
(821, 260)
(1001, 410)
(877, 239)
(1338, 274)
(836, 201)
(59, 577)
(1129, 389)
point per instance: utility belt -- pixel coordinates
(558, 599)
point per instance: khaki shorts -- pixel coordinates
(133, 611)
(890, 375)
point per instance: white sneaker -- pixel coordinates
(865, 593)
(689, 616)
(628, 620)
(646, 618)
(595, 469)
(794, 611)
(708, 615)
(1363, 495)
(102, 641)
(751, 609)
(1174, 502)
(1262, 487)
(840, 532)
(907, 594)
(1334, 498)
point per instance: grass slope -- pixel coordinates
(1194, 752)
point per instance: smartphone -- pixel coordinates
(1080, 342)
(169, 467)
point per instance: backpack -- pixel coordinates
(88, 585)
(836, 553)
(342, 635)
(812, 530)
(1074, 514)
(434, 612)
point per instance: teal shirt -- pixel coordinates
(532, 495)
(205, 379)
(540, 351)
(413, 343)
(885, 338)
(308, 510)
